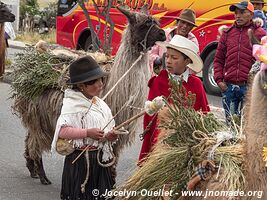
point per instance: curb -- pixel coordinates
(16, 44)
(16, 47)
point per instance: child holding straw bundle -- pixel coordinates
(86, 120)
(181, 55)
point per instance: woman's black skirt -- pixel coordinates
(100, 178)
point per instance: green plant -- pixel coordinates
(49, 14)
(29, 6)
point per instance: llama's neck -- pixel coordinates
(132, 90)
(127, 44)
(257, 112)
(127, 54)
(256, 138)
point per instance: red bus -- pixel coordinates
(73, 31)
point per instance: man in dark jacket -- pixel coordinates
(234, 59)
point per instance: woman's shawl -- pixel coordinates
(80, 112)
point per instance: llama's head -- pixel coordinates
(145, 30)
(5, 14)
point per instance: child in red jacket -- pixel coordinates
(181, 55)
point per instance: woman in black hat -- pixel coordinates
(86, 121)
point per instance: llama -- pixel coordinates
(5, 16)
(132, 91)
(40, 117)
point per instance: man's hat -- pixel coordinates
(188, 48)
(257, 1)
(188, 15)
(243, 5)
(85, 69)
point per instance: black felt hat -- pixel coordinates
(85, 69)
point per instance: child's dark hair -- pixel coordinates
(185, 56)
(92, 82)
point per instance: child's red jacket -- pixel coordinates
(159, 85)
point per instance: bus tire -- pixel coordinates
(208, 75)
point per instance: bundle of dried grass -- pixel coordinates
(35, 71)
(187, 137)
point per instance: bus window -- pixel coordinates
(65, 7)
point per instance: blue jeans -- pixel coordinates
(233, 99)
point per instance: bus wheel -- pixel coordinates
(88, 44)
(208, 75)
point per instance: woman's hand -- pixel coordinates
(111, 136)
(95, 133)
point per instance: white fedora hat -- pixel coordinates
(188, 48)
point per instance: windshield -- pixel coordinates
(65, 7)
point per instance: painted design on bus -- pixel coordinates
(132, 4)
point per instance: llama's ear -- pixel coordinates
(145, 9)
(130, 15)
